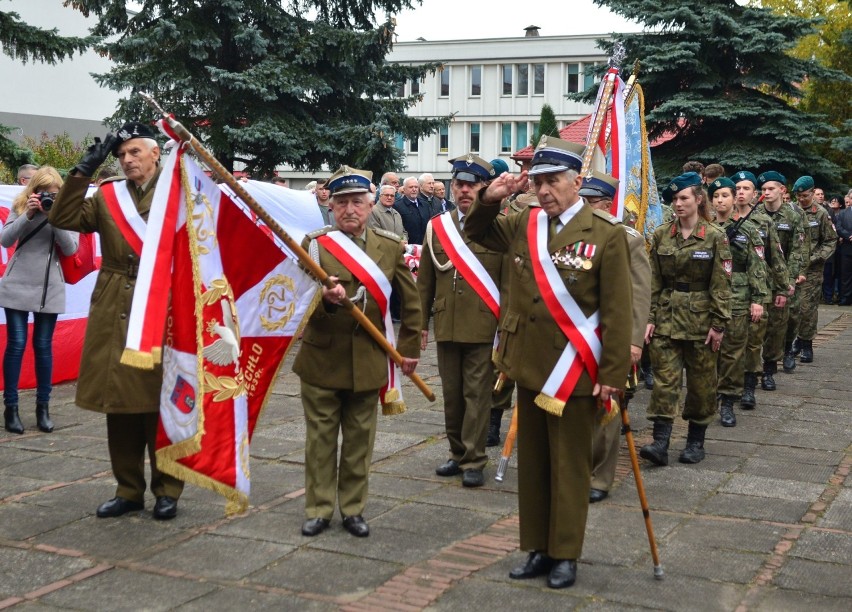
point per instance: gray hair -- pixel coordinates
(26, 167)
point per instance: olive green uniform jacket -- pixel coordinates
(105, 385)
(791, 236)
(749, 275)
(773, 254)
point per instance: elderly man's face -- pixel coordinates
(556, 191)
(138, 160)
(25, 176)
(410, 188)
(351, 211)
(387, 197)
(440, 191)
(426, 184)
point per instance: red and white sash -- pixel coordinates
(464, 260)
(583, 350)
(379, 287)
(146, 326)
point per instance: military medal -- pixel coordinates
(587, 264)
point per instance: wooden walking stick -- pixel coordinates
(508, 446)
(640, 489)
(305, 259)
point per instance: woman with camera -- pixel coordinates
(33, 282)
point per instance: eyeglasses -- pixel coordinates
(388, 195)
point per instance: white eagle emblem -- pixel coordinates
(226, 349)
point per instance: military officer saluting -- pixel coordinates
(343, 371)
(823, 242)
(749, 289)
(459, 283)
(564, 339)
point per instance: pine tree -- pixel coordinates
(546, 125)
(260, 83)
(716, 75)
(24, 42)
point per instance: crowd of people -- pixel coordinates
(524, 278)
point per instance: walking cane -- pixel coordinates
(508, 446)
(305, 259)
(640, 489)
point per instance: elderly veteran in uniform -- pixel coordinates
(823, 242)
(789, 226)
(564, 339)
(129, 396)
(690, 307)
(598, 190)
(749, 292)
(343, 371)
(459, 283)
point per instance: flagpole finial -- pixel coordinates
(152, 102)
(618, 55)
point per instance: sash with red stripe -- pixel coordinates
(123, 211)
(379, 287)
(583, 350)
(466, 263)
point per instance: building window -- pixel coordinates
(398, 142)
(535, 126)
(507, 80)
(521, 136)
(523, 79)
(538, 79)
(476, 80)
(589, 78)
(414, 146)
(573, 78)
(415, 87)
(474, 137)
(445, 82)
(400, 89)
(505, 137)
(443, 139)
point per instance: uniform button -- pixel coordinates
(460, 291)
(122, 316)
(536, 299)
(127, 286)
(130, 257)
(532, 317)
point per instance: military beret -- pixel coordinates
(349, 180)
(131, 130)
(471, 168)
(804, 183)
(499, 166)
(599, 185)
(744, 175)
(721, 183)
(769, 176)
(679, 183)
(556, 155)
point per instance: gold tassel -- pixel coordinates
(606, 417)
(137, 359)
(393, 408)
(157, 354)
(550, 404)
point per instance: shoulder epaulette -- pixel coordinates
(320, 232)
(606, 216)
(632, 231)
(112, 179)
(387, 234)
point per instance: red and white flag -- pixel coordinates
(237, 301)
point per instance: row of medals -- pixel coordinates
(569, 257)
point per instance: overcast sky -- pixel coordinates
(460, 19)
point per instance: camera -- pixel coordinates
(46, 199)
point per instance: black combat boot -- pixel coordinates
(649, 378)
(789, 358)
(807, 351)
(43, 417)
(748, 401)
(657, 452)
(769, 370)
(493, 438)
(797, 347)
(13, 421)
(726, 410)
(694, 451)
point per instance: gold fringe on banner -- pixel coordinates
(137, 359)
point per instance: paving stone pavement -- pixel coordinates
(764, 523)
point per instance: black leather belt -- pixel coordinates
(130, 270)
(687, 287)
(738, 267)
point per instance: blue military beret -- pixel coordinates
(599, 185)
(721, 183)
(804, 183)
(349, 180)
(679, 183)
(556, 155)
(744, 175)
(499, 166)
(471, 168)
(769, 176)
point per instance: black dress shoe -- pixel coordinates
(450, 468)
(563, 574)
(596, 495)
(357, 526)
(473, 478)
(165, 508)
(314, 526)
(537, 564)
(118, 506)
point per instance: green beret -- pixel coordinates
(721, 183)
(804, 183)
(769, 176)
(679, 183)
(744, 175)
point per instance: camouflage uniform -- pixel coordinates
(823, 241)
(795, 303)
(749, 285)
(690, 292)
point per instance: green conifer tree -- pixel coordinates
(546, 125)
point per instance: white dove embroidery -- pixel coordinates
(226, 349)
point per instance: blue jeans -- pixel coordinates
(16, 341)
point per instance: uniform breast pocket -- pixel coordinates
(440, 305)
(521, 265)
(666, 260)
(316, 338)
